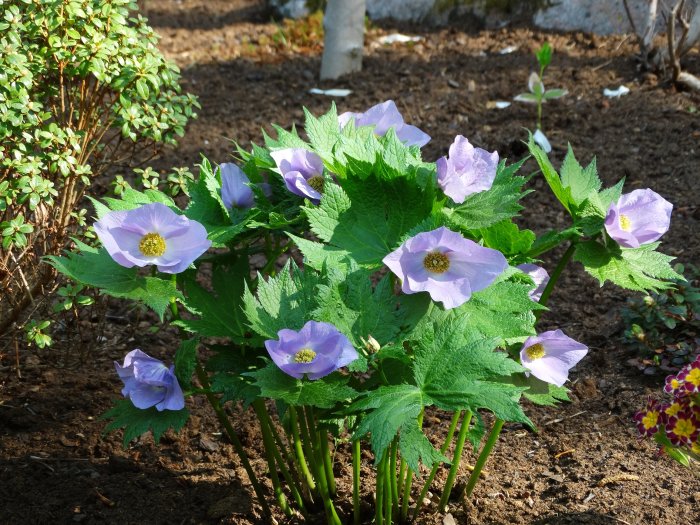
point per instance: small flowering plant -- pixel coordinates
(675, 424)
(417, 291)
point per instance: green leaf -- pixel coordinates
(205, 205)
(231, 368)
(96, 268)
(641, 269)
(219, 312)
(387, 409)
(365, 220)
(323, 132)
(186, 361)
(541, 393)
(416, 448)
(355, 308)
(562, 194)
(284, 301)
(551, 239)
(318, 255)
(137, 421)
(580, 182)
(507, 238)
(322, 393)
(486, 208)
(285, 139)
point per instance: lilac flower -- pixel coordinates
(152, 234)
(639, 217)
(467, 170)
(446, 265)
(550, 355)
(315, 351)
(148, 382)
(235, 189)
(302, 172)
(384, 116)
(537, 274)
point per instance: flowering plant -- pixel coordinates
(408, 300)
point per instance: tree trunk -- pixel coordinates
(344, 27)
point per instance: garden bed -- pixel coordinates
(585, 465)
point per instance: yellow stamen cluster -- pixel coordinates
(535, 351)
(650, 420)
(436, 262)
(693, 377)
(152, 245)
(625, 222)
(316, 182)
(305, 355)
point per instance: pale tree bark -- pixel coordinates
(344, 30)
(681, 22)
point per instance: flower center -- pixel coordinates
(649, 421)
(316, 182)
(673, 409)
(684, 428)
(625, 222)
(693, 377)
(305, 355)
(535, 351)
(152, 245)
(436, 262)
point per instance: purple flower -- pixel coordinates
(148, 382)
(315, 351)
(537, 274)
(302, 172)
(384, 116)
(446, 265)
(550, 355)
(152, 234)
(235, 189)
(467, 170)
(639, 217)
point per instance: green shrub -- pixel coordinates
(82, 87)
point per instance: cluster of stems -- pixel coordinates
(300, 461)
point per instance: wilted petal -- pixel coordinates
(541, 140)
(148, 382)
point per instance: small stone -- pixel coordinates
(453, 83)
(448, 520)
(208, 445)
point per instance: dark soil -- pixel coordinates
(57, 467)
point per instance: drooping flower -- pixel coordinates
(637, 218)
(315, 351)
(148, 382)
(302, 171)
(648, 420)
(467, 170)
(152, 234)
(384, 116)
(550, 355)
(235, 189)
(446, 265)
(539, 275)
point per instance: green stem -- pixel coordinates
(379, 493)
(269, 446)
(356, 457)
(319, 469)
(273, 453)
(407, 482)
(173, 301)
(299, 450)
(327, 462)
(483, 457)
(234, 439)
(388, 497)
(456, 459)
(282, 445)
(392, 477)
(555, 277)
(426, 486)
